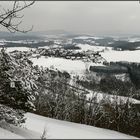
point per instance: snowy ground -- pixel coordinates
(108, 54)
(60, 64)
(10, 49)
(87, 37)
(74, 67)
(86, 47)
(78, 67)
(132, 39)
(5, 134)
(112, 98)
(56, 129)
(130, 56)
(113, 55)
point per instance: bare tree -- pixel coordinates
(11, 18)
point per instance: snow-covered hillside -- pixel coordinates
(61, 64)
(75, 67)
(5, 134)
(108, 53)
(86, 47)
(100, 96)
(87, 37)
(18, 49)
(10, 49)
(56, 129)
(112, 55)
(130, 56)
(78, 67)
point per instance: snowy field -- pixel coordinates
(10, 49)
(87, 37)
(132, 39)
(130, 56)
(74, 67)
(56, 129)
(5, 134)
(112, 55)
(86, 47)
(108, 54)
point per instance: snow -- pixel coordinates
(87, 37)
(14, 132)
(133, 39)
(44, 47)
(24, 132)
(1, 43)
(130, 56)
(86, 47)
(138, 47)
(5, 134)
(60, 63)
(10, 49)
(112, 98)
(57, 129)
(74, 67)
(54, 46)
(123, 77)
(19, 41)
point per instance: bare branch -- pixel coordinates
(9, 16)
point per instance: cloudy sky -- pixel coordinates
(92, 17)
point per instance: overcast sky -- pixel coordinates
(103, 17)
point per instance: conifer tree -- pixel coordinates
(13, 92)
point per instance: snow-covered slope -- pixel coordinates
(108, 97)
(87, 37)
(59, 63)
(130, 56)
(86, 47)
(76, 67)
(5, 134)
(56, 129)
(10, 49)
(14, 132)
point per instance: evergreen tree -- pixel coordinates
(13, 92)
